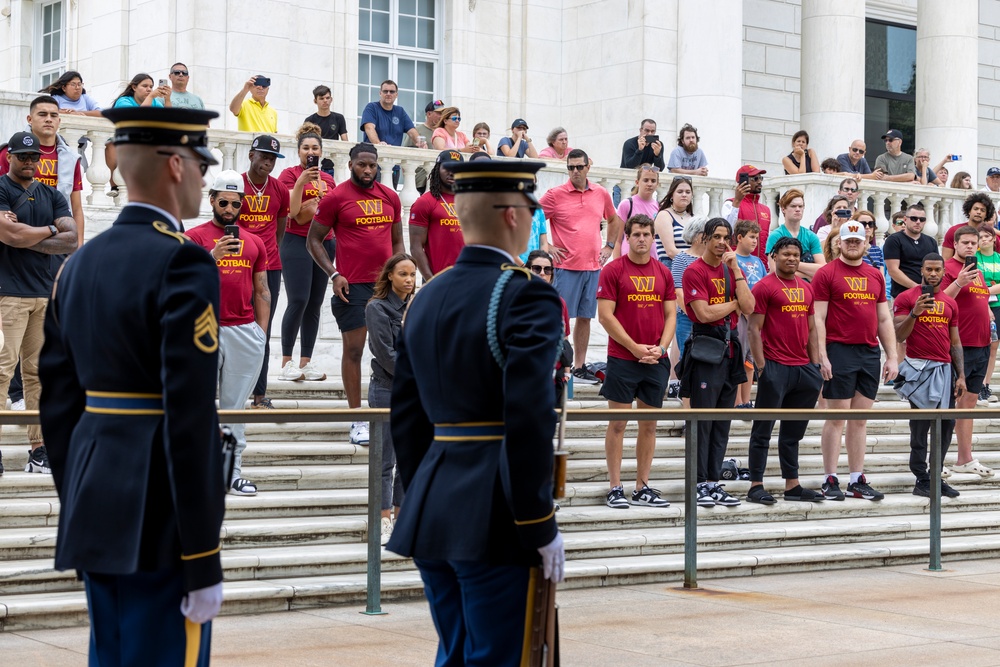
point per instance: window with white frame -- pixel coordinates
(398, 40)
(50, 41)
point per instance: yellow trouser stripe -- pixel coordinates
(529, 617)
(193, 647)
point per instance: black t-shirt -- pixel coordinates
(333, 125)
(25, 272)
(910, 254)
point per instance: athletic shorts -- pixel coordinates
(856, 369)
(351, 315)
(976, 361)
(579, 290)
(626, 380)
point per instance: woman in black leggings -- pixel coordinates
(305, 283)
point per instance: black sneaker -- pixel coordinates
(584, 376)
(616, 499)
(38, 461)
(948, 490)
(989, 392)
(757, 494)
(984, 393)
(722, 497)
(648, 497)
(799, 494)
(860, 489)
(674, 389)
(704, 496)
(831, 488)
(923, 489)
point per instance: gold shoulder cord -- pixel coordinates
(167, 229)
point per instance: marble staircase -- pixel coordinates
(301, 541)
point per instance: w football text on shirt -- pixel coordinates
(639, 292)
(373, 215)
(787, 309)
(644, 288)
(796, 301)
(853, 294)
(444, 231)
(857, 289)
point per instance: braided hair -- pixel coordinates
(434, 181)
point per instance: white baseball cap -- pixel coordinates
(852, 229)
(228, 181)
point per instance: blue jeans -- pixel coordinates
(683, 332)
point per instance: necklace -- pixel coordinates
(257, 193)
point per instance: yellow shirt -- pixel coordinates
(255, 117)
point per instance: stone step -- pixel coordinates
(28, 611)
(284, 561)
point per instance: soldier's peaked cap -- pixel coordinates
(153, 126)
(496, 176)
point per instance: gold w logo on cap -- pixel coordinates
(206, 331)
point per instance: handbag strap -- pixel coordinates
(725, 274)
(25, 196)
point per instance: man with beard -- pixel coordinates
(244, 306)
(715, 294)
(978, 208)
(852, 317)
(364, 215)
(435, 233)
(687, 158)
(783, 340)
(929, 325)
(265, 216)
(746, 205)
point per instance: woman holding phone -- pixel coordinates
(139, 92)
(305, 282)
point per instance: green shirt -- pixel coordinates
(990, 266)
(185, 101)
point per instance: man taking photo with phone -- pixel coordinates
(244, 305)
(927, 319)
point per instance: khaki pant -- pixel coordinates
(23, 320)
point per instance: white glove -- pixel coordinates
(553, 559)
(202, 605)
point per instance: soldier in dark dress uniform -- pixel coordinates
(128, 412)
(473, 421)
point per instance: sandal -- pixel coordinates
(973, 466)
(243, 487)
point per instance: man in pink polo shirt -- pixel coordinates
(575, 212)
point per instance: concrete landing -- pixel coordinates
(901, 615)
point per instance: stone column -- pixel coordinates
(710, 81)
(948, 88)
(832, 86)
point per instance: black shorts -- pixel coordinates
(626, 380)
(856, 369)
(351, 315)
(976, 361)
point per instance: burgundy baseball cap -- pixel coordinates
(749, 170)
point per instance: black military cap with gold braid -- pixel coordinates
(154, 126)
(496, 176)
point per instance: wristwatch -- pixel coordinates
(53, 230)
(610, 245)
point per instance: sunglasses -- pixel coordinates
(859, 151)
(576, 167)
(683, 179)
(539, 269)
(388, 92)
(178, 72)
(898, 223)
(650, 167)
(455, 119)
(225, 203)
(27, 157)
(202, 165)
(869, 224)
(848, 190)
(915, 218)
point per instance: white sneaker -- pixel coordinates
(359, 433)
(291, 372)
(17, 405)
(310, 372)
(386, 529)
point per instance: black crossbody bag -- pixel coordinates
(709, 349)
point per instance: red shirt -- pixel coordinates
(750, 208)
(702, 282)
(575, 223)
(47, 171)
(235, 273)
(949, 237)
(853, 294)
(310, 190)
(931, 335)
(260, 214)
(973, 303)
(444, 234)
(362, 220)
(638, 291)
(787, 306)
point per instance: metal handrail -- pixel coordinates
(690, 417)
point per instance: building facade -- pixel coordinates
(747, 73)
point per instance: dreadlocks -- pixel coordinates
(434, 181)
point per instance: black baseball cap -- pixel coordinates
(893, 134)
(158, 126)
(496, 176)
(447, 156)
(518, 122)
(993, 171)
(24, 142)
(265, 143)
(436, 105)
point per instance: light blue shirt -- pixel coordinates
(539, 226)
